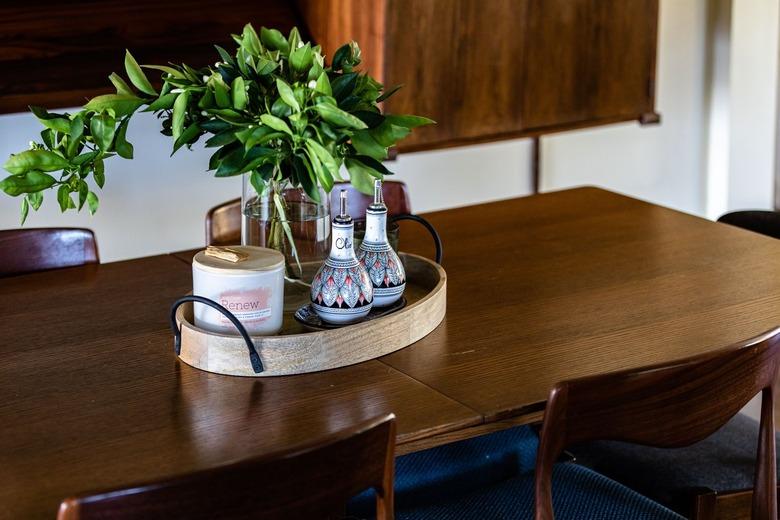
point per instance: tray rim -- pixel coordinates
(181, 320)
(281, 357)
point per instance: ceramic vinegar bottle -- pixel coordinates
(341, 291)
(375, 254)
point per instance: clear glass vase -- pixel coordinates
(288, 220)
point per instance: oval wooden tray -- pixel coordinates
(296, 350)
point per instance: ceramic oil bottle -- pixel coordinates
(341, 291)
(375, 254)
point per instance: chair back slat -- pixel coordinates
(313, 482)
(39, 249)
(395, 194)
(670, 405)
(223, 222)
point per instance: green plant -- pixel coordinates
(273, 110)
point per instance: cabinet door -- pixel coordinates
(488, 70)
(588, 61)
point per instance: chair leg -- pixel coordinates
(704, 505)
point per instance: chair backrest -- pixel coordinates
(395, 193)
(223, 224)
(313, 482)
(38, 249)
(764, 222)
(667, 406)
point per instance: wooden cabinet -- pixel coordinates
(484, 69)
(488, 70)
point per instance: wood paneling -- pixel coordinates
(505, 68)
(58, 54)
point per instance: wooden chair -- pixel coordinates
(39, 249)
(223, 222)
(311, 482)
(395, 193)
(665, 406)
(668, 406)
(764, 222)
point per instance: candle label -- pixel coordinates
(250, 307)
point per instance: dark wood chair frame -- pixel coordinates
(223, 222)
(310, 482)
(31, 250)
(667, 406)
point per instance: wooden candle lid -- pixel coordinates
(256, 259)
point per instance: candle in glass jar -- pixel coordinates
(252, 289)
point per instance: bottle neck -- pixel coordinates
(376, 226)
(342, 245)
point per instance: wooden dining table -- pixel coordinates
(540, 289)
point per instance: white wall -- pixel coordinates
(156, 204)
(753, 103)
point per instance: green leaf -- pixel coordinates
(231, 164)
(25, 211)
(188, 136)
(41, 160)
(387, 134)
(239, 93)
(287, 95)
(250, 40)
(409, 121)
(306, 177)
(35, 199)
(56, 122)
(274, 40)
(75, 134)
(256, 136)
(280, 108)
(92, 202)
(27, 183)
(122, 88)
(224, 55)
(294, 39)
(164, 102)
(361, 177)
(175, 73)
(323, 84)
(338, 117)
(137, 76)
(324, 156)
(322, 173)
(301, 59)
(221, 139)
(63, 197)
(99, 172)
(344, 85)
(85, 157)
(366, 145)
(258, 183)
(83, 191)
(121, 105)
(387, 93)
(179, 113)
(102, 126)
(374, 165)
(275, 123)
(220, 91)
(122, 147)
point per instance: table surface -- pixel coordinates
(540, 289)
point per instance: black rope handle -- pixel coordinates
(254, 357)
(428, 226)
